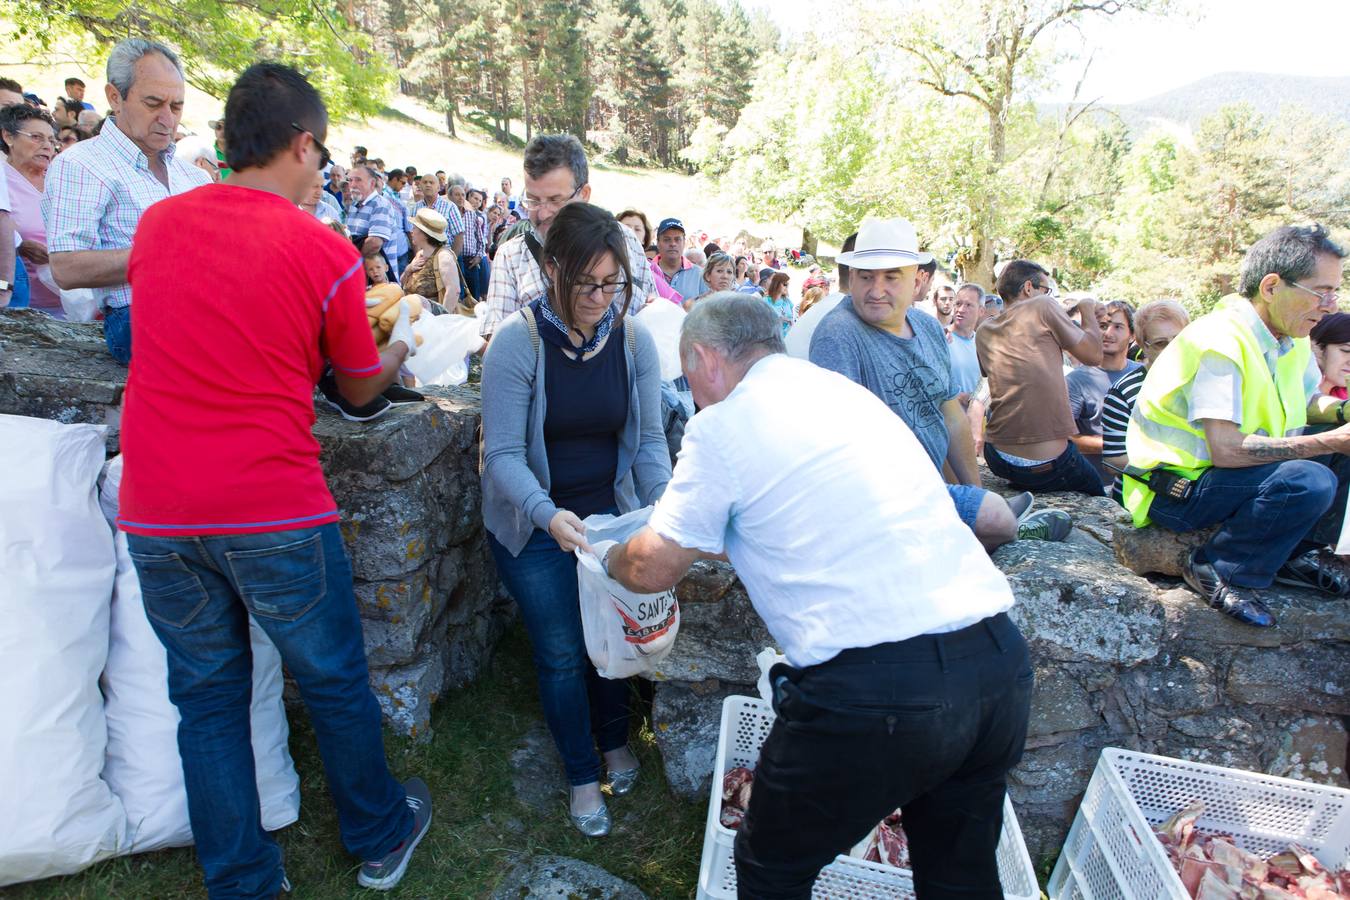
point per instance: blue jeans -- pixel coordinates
(20, 292)
(117, 332)
(581, 708)
(1265, 514)
(473, 279)
(1070, 471)
(198, 594)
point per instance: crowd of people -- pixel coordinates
(829, 446)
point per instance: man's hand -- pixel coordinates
(402, 330)
(568, 531)
(473, 262)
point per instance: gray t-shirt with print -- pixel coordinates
(913, 376)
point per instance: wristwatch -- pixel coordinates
(5, 286)
(604, 561)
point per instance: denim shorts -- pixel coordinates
(967, 498)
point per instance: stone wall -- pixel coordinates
(407, 485)
(1121, 661)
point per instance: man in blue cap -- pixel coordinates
(682, 275)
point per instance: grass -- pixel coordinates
(478, 825)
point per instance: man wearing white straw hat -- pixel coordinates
(876, 337)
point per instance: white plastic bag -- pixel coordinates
(447, 341)
(143, 767)
(664, 320)
(626, 633)
(78, 304)
(57, 566)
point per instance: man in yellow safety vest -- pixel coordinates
(1217, 434)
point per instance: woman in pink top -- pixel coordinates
(28, 135)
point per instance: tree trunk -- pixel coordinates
(808, 241)
(982, 261)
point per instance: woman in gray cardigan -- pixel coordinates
(571, 428)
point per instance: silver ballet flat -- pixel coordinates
(594, 824)
(621, 783)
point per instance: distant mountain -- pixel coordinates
(1187, 105)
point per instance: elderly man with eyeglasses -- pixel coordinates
(556, 174)
(97, 191)
(1216, 436)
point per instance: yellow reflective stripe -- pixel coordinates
(1181, 441)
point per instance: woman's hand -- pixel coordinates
(568, 531)
(33, 252)
(418, 261)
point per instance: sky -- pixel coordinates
(1136, 56)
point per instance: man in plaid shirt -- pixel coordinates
(98, 190)
(429, 197)
(372, 220)
(556, 174)
(474, 260)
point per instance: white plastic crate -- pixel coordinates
(745, 724)
(1111, 852)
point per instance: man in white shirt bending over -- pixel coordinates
(907, 685)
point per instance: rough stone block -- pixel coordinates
(1059, 704)
(686, 720)
(406, 693)
(50, 369)
(1312, 749)
(405, 440)
(1264, 676)
(1074, 605)
(1154, 550)
(1187, 687)
(562, 878)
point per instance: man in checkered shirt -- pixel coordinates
(372, 221)
(556, 174)
(98, 190)
(429, 196)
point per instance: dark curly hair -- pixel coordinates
(13, 116)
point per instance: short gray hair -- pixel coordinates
(733, 324)
(122, 61)
(547, 152)
(972, 286)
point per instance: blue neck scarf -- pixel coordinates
(602, 328)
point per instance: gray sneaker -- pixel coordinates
(1021, 505)
(385, 874)
(1045, 525)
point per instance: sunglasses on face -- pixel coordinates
(324, 156)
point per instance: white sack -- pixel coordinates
(143, 767)
(57, 565)
(664, 321)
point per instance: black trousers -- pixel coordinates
(930, 725)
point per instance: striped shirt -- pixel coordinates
(518, 280)
(375, 216)
(97, 191)
(1116, 409)
(452, 217)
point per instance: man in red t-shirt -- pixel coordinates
(241, 298)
